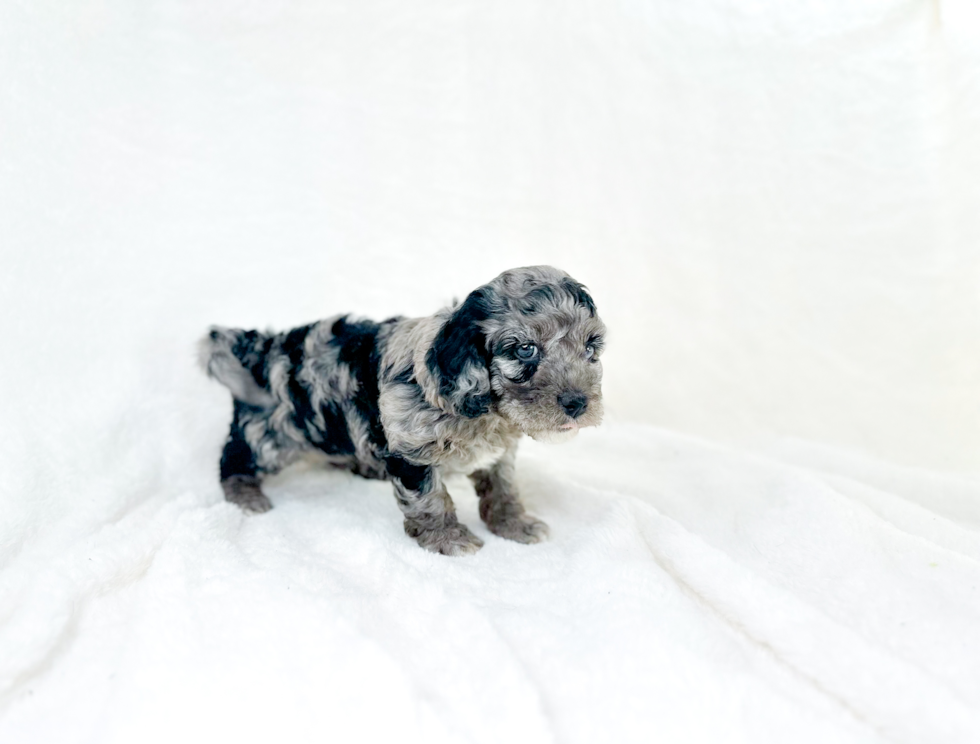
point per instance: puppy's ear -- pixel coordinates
(581, 295)
(459, 360)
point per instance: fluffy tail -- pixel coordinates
(236, 359)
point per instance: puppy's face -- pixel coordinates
(545, 370)
(528, 343)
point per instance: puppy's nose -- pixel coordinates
(573, 402)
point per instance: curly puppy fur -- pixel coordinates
(411, 400)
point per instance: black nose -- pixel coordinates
(573, 402)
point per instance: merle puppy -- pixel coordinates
(411, 400)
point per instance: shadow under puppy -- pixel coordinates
(411, 400)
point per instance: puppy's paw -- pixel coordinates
(448, 540)
(257, 503)
(521, 528)
(246, 493)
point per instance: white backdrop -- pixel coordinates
(774, 204)
(775, 535)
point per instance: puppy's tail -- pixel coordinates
(236, 359)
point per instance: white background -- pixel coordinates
(774, 204)
(774, 537)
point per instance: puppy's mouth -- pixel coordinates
(561, 433)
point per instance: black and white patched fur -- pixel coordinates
(411, 400)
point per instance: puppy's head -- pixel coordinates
(526, 345)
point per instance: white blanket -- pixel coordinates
(689, 593)
(775, 206)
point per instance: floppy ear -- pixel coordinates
(581, 295)
(458, 358)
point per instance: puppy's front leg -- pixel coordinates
(430, 516)
(500, 504)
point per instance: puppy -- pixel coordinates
(412, 400)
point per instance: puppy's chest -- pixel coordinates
(465, 457)
(474, 445)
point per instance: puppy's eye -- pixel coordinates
(526, 351)
(590, 352)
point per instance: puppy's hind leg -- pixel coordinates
(239, 473)
(246, 491)
(430, 516)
